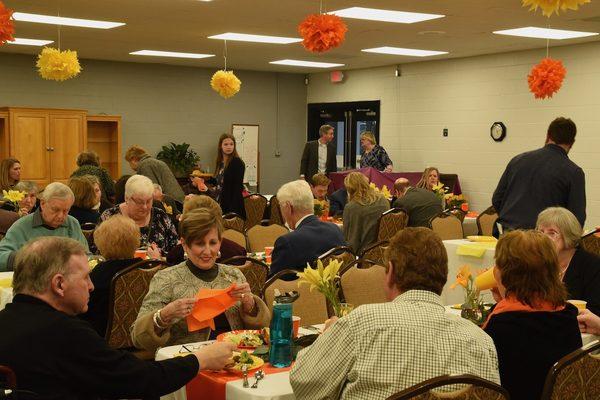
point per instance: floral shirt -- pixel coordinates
(160, 230)
(376, 158)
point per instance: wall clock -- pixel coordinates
(498, 131)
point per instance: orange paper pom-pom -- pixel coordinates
(322, 32)
(546, 78)
(7, 27)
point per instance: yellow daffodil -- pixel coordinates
(92, 263)
(325, 279)
(13, 195)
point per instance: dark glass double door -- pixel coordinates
(349, 121)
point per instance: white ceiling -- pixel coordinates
(183, 25)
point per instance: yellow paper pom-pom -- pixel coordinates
(58, 65)
(550, 7)
(225, 83)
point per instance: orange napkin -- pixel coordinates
(209, 304)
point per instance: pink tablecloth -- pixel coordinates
(388, 178)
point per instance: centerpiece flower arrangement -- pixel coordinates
(326, 280)
(321, 208)
(384, 190)
(473, 308)
(454, 200)
(13, 197)
(440, 190)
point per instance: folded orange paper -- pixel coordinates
(209, 304)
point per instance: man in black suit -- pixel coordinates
(319, 155)
(310, 238)
(420, 204)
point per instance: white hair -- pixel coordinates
(140, 185)
(298, 194)
(57, 190)
(157, 186)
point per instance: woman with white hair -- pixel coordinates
(580, 270)
(158, 234)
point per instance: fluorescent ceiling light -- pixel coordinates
(50, 19)
(30, 42)
(545, 33)
(399, 51)
(300, 63)
(157, 53)
(374, 14)
(243, 37)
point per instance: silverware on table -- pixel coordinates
(258, 375)
(245, 375)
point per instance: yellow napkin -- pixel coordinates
(6, 282)
(476, 238)
(476, 249)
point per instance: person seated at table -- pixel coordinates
(86, 199)
(30, 201)
(169, 203)
(532, 325)
(373, 155)
(10, 173)
(228, 249)
(420, 204)
(320, 185)
(337, 202)
(89, 164)
(51, 219)
(579, 270)
(157, 229)
(430, 178)
(589, 322)
(57, 356)
(310, 236)
(117, 239)
(361, 214)
(161, 320)
(379, 349)
(102, 203)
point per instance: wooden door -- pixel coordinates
(67, 133)
(29, 143)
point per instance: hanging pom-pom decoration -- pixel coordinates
(7, 26)
(58, 65)
(322, 32)
(546, 78)
(550, 7)
(225, 83)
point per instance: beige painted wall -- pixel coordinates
(467, 96)
(161, 103)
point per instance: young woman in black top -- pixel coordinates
(229, 176)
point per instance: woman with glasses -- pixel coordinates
(580, 270)
(158, 234)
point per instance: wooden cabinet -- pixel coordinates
(104, 137)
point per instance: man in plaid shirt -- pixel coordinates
(380, 349)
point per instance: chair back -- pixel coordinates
(275, 216)
(260, 236)
(8, 380)
(88, 229)
(374, 253)
(576, 373)
(255, 206)
(591, 244)
(363, 285)
(255, 272)
(7, 218)
(391, 222)
(458, 213)
(447, 226)
(486, 221)
(311, 307)
(477, 389)
(127, 291)
(233, 221)
(235, 236)
(343, 254)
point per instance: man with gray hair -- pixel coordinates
(51, 219)
(310, 237)
(59, 356)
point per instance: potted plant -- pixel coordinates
(179, 157)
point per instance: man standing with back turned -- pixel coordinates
(539, 179)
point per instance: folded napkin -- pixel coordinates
(476, 249)
(5, 283)
(209, 304)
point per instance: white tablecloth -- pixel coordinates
(6, 294)
(456, 295)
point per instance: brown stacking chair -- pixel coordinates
(486, 221)
(235, 236)
(127, 291)
(340, 253)
(363, 285)
(233, 221)
(477, 389)
(7, 218)
(275, 216)
(447, 226)
(311, 307)
(591, 244)
(255, 206)
(255, 272)
(88, 229)
(390, 222)
(374, 252)
(260, 236)
(576, 375)
(458, 213)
